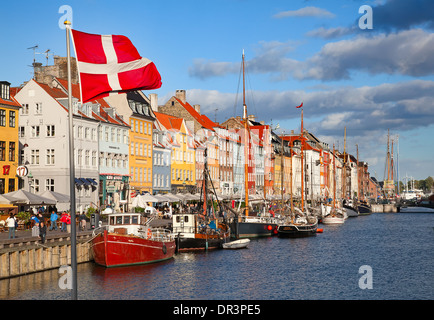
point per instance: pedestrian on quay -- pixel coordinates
(35, 228)
(63, 220)
(10, 222)
(82, 221)
(42, 228)
(53, 219)
(68, 222)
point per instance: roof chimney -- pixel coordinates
(197, 108)
(154, 101)
(180, 94)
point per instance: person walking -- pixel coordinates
(10, 222)
(53, 219)
(68, 222)
(35, 227)
(42, 228)
(63, 220)
(82, 221)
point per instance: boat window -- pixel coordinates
(127, 220)
(119, 220)
(185, 218)
(177, 219)
(112, 220)
(135, 220)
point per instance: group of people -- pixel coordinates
(39, 223)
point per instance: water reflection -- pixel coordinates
(398, 247)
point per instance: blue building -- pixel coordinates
(161, 162)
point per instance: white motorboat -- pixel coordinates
(237, 244)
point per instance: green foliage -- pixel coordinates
(24, 216)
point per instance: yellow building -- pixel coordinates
(183, 170)
(9, 159)
(141, 147)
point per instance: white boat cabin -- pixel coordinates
(184, 223)
(127, 223)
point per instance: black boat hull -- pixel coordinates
(195, 244)
(292, 231)
(364, 209)
(240, 230)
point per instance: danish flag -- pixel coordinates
(110, 64)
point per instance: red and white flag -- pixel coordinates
(300, 105)
(110, 64)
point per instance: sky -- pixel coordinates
(366, 74)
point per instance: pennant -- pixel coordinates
(110, 64)
(300, 105)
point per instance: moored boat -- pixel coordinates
(302, 226)
(237, 244)
(193, 232)
(129, 240)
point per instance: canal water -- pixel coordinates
(375, 257)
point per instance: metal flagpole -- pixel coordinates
(71, 169)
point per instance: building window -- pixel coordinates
(11, 186)
(25, 108)
(12, 119)
(21, 132)
(36, 185)
(38, 109)
(11, 151)
(87, 158)
(87, 133)
(49, 184)
(50, 131)
(80, 157)
(2, 150)
(2, 118)
(35, 131)
(93, 158)
(34, 156)
(2, 186)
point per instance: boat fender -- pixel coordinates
(164, 248)
(319, 230)
(269, 227)
(149, 234)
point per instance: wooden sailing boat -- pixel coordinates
(198, 231)
(332, 214)
(245, 225)
(299, 223)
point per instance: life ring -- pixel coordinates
(149, 234)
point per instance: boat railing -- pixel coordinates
(99, 230)
(157, 234)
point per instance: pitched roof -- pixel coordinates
(203, 120)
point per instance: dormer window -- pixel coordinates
(5, 90)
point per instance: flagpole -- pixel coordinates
(71, 169)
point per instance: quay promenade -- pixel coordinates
(26, 254)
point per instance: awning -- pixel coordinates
(92, 181)
(78, 182)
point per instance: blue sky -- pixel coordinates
(313, 51)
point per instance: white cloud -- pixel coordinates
(305, 12)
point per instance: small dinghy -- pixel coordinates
(237, 244)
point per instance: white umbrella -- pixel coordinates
(25, 197)
(172, 197)
(162, 198)
(4, 200)
(149, 198)
(58, 197)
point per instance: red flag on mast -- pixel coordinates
(300, 105)
(110, 64)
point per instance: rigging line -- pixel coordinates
(238, 89)
(253, 103)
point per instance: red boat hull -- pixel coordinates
(114, 250)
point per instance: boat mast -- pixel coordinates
(246, 145)
(302, 161)
(334, 177)
(344, 169)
